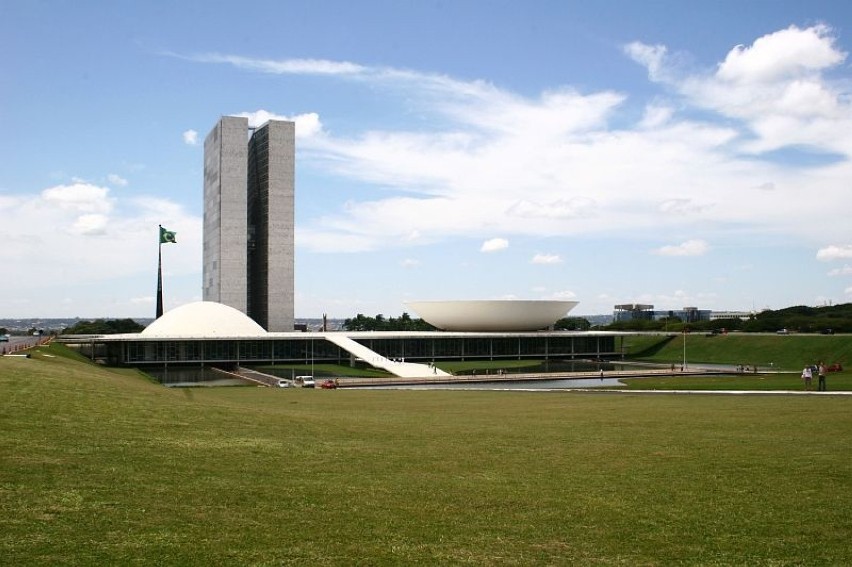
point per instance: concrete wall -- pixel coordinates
(280, 252)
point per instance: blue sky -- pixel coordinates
(673, 153)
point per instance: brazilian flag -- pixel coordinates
(167, 236)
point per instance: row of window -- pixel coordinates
(319, 350)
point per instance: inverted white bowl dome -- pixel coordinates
(492, 315)
(204, 319)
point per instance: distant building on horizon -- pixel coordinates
(249, 195)
(643, 312)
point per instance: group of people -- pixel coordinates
(808, 375)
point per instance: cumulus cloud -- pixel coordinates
(190, 137)
(546, 259)
(788, 53)
(92, 236)
(79, 196)
(776, 86)
(91, 225)
(556, 164)
(307, 125)
(494, 245)
(687, 248)
(834, 252)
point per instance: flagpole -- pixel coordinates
(159, 274)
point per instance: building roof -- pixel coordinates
(498, 315)
(203, 319)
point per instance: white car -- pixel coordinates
(305, 381)
(284, 384)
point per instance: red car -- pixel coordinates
(329, 385)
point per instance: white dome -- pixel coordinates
(499, 315)
(204, 319)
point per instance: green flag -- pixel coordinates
(167, 236)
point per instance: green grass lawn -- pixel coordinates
(786, 352)
(107, 468)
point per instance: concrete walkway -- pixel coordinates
(711, 392)
(371, 357)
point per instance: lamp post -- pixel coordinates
(684, 348)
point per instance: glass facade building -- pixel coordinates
(313, 347)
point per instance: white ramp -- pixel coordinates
(371, 357)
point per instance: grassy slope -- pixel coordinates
(105, 468)
(790, 352)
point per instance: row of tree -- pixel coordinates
(800, 319)
(103, 327)
(379, 323)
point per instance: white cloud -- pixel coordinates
(409, 263)
(90, 225)
(787, 53)
(846, 270)
(680, 207)
(307, 125)
(651, 56)
(554, 164)
(656, 116)
(284, 66)
(92, 237)
(775, 86)
(564, 295)
(559, 209)
(494, 245)
(834, 252)
(687, 248)
(546, 259)
(80, 197)
(115, 179)
(190, 137)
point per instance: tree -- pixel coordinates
(379, 323)
(572, 324)
(104, 327)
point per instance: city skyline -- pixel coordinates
(670, 154)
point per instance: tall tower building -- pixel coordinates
(249, 181)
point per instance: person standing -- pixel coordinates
(807, 376)
(821, 381)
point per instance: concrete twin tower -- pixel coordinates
(249, 194)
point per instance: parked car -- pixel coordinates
(328, 385)
(305, 381)
(284, 384)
